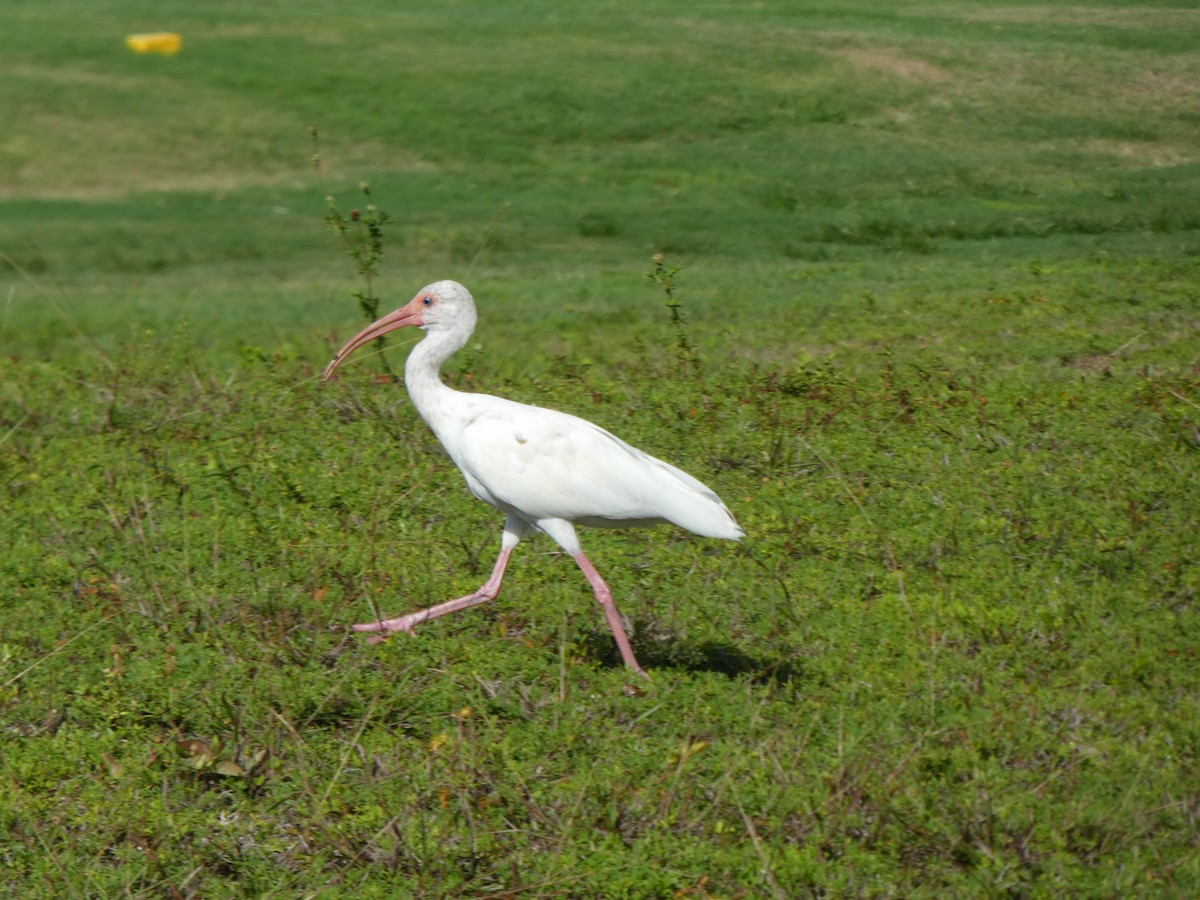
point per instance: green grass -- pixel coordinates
(940, 272)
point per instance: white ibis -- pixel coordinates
(542, 468)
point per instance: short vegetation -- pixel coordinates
(923, 308)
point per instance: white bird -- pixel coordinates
(542, 468)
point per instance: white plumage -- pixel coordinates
(543, 468)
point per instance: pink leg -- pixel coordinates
(513, 529)
(605, 598)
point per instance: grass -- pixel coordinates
(939, 278)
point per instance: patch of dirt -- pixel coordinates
(1148, 154)
(243, 31)
(1093, 364)
(883, 59)
(1176, 85)
(68, 76)
(1121, 17)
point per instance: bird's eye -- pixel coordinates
(428, 301)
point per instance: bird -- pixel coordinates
(544, 469)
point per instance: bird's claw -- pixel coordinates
(384, 628)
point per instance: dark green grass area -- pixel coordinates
(956, 653)
(940, 277)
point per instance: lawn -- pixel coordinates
(939, 354)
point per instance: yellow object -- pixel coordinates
(162, 42)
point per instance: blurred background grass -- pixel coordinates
(543, 154)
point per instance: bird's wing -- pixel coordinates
(547, 464)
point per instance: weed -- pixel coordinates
(361, 232)
(664, 276)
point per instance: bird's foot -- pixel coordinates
(384, 628)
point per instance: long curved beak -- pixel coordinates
(411, 314)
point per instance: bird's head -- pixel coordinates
(443, 305)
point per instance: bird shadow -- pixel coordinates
(658, 650)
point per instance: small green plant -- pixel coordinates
(664, 276)
(215, 757)
(361, 233)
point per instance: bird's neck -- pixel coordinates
(422, 374)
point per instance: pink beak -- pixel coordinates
(411, 314)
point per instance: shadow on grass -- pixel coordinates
(657, 650)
